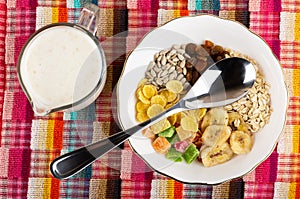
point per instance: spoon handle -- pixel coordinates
(73, 162)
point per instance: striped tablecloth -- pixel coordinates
(29, 143)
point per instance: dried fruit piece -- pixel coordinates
(174, 86)
(214, 116)
(173, 118)
(154, 110)
(216, 135)
(158, 126)
(161, 145)
(141, 107)
(159, 99)
(149, 91)
(190, 153)
(183, 134)
(198, 114)
(190, 48)
(211, 156)
(189, 124)
(241, 142)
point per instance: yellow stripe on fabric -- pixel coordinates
(297, 27)
(227, 14)
(47, 188)
(296, 82)
(170, 189)
(106, 18)
(221, 191)
(176, 13)
(50, 129)
(292, 190)
(55, 14)
(296, 139)
(98, 188)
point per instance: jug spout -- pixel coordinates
(39, 110)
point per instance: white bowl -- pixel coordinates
(227, 34)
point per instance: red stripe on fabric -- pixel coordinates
(55, 189)
(26, 3)
(62, 14)
(19, 163)
(3, 17)
(58, 134)
(275, 46)
(19, 43)
(178, 189)
(274, 5)
(22, 110)
(265, 171)
(184, 13)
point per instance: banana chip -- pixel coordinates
(149, 91)
(159, 99)
(154, 110)
(215, 155)
(241, 142)
(174, 86)
(141, 107)
(189, 124)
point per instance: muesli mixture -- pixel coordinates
(211, 136)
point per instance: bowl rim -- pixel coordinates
(285, 88)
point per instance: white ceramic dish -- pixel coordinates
(225, 33)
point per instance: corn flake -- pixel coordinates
(170, 96)
(141, 107)
(149, 91)
(142, 116)
(143, 98)
(159, 99)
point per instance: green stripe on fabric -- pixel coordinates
(207, 5)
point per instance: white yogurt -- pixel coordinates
(60, 66)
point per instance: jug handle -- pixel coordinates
(88, 17)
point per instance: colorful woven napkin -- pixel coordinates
(29, 143)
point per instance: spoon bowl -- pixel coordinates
(222, 83)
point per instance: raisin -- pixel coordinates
(190, 49)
